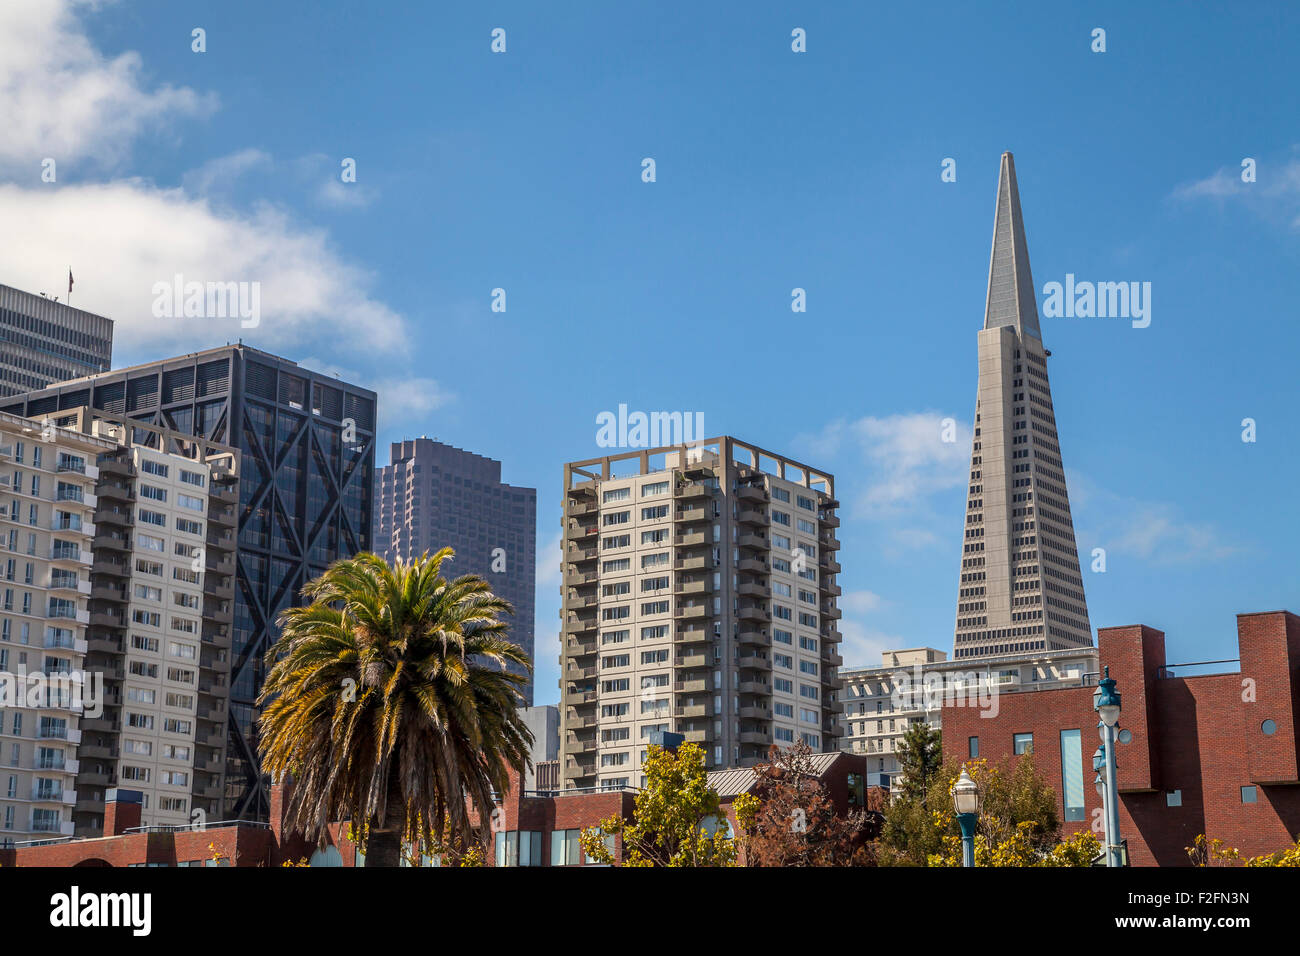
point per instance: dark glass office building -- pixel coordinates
(43, 342)
(305, 492)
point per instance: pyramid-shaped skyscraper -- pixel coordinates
(1021, 586)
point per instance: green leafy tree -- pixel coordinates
(920, 759)
(389, 703)
(1018, 815)
(677, 819)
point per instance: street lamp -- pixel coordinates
(1107, 704)
(966, 798)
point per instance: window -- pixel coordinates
(189, 501)
(153, 468)
(156, 518)
(1248, 795)
(193, 478)
(1072, 775)
(1023, 743)
(654, 512)
(153, 493)
(188, 526)
(616, 517)
(972, 747)
(616, 494)
(1174, 798)
(654, 488)
(519, 848)
(566, 850)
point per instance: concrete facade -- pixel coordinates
(1020, 587)
(43, 342)
(880, 703)
(432, 495)
(699, 598)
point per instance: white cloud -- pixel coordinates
(1275, 192)
(221, 173)
(864, 642)
(121, 238)
(905, 456)
(62, 98)
(402, 401)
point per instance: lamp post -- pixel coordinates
(966, 798)
(1107, 705)
(1099, 767)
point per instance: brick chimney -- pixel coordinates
(122, 809)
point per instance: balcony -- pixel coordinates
(580, 625)
(577, 554)
(573, 600)
(579, 508)
(581, 646)
(110, 491)
(752, 712)
(691, 513)
(758, 541)
(759, 518)
(832, 659)
(752, 612)
(221, 542)
(579, 697)
(754, 589)
(756, 737)
(754, 566)
(828, 564)
(694, 686)
(580, 745)
(691, 612)
(753, 687)
(829, 541)
(829, 520)
(573, 672)
(831, 588)
(755, 662)
(831, 612)
(692, 660)
(117, 516)
(696, 563)
(581, 578)
(579, 532)
(755, 493)
(693, 587)
(691, 635)
(753, 636)
(691, 540)
(693, 710)
(692, 489)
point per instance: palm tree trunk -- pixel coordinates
(383, 848)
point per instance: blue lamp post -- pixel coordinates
(1107, 705)
(1099, 767)
(966, 799)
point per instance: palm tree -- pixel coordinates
(389, 703)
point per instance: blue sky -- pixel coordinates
(775, 170)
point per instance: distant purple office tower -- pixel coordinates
(432, 496)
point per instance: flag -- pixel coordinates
(69, 282)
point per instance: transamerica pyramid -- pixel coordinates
(1021, 588)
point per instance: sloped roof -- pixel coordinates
(737, 780)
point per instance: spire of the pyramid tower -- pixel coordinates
(1011, 297)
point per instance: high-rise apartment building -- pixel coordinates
(699, 598)
(161, 601)
(433, 495)
(306, 448)
(47, 502)
(1020, 587)
(43, 342)
(912, 685)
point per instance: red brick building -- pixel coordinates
(1213, 754)
(532, 828)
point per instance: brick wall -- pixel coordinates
(1200, 735)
